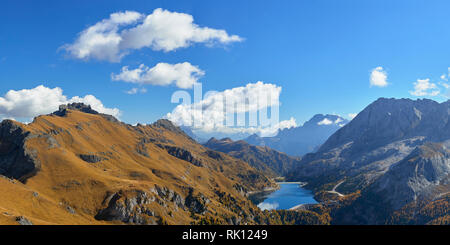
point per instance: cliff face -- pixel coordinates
(16, 159)
(89, 168)
(422, 175)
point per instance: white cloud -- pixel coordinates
(325, 121)
(102, 40)
(163, 30)
(28, 103)
(208, 114)
(423, 87)
(352, 115)
(291, 123)
(378, 77)
(136, 91)
(184, 75)
(268, 206)
(168, 31)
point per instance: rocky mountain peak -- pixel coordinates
(75, 107)
(322, 120)
(81, 107)
(228, 140)
(168, 125)
(387, 120)
(212, 141)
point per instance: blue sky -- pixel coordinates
(321, 53)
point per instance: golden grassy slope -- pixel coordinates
(68, 190)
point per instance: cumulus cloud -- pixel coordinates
(28, 103)
(325, 121)
(291, 123)
(113, 38)
(378, 77)
(218, 111)
(184, 75)
(268, 206)
(423, 87)
(102, 40)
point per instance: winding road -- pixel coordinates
(333, 191)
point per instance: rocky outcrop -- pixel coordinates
(168, 125)
(141, 147)
(214, 155)
(16, 159)
(182, 154)
(63, 109)
(128, 207)
(90, 158)
(196, 203)
(23, 221)
(135, 207)
(169, 196)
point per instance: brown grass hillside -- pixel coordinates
(90, 169)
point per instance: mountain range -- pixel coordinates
(389, 165)
(78, 166)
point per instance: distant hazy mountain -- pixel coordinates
(396, 151)
(203, 136)
(271, 162)
(190, 133)
(298, 141)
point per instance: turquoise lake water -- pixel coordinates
(289, 195)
